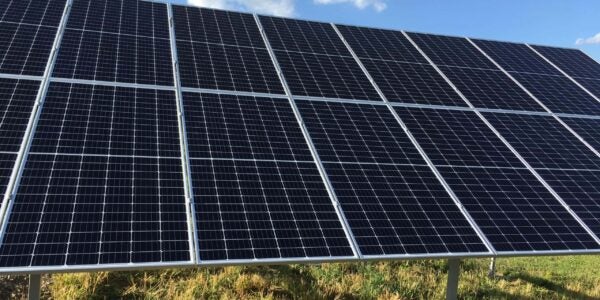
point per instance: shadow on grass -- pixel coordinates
(549, 285)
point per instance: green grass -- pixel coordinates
(517, 278)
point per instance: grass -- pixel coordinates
(517, 278)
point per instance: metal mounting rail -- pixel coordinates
(414, 141)
(505, 142)
(183, 144)
(21, 159)
(311, 146)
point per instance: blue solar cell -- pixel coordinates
(451, 51)
(516, 57)
(573, 61)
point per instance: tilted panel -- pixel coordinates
(592, 85)
(588, 129)
(102, 183)
(511, 206)
(224, 51)
(392, 200)
(27, 32)
(259, 194)
(116, 41)
(573, 61)
(451, 51)
(516, 57)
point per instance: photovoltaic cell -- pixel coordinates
(303, 36)
(80, 204)
(580, 189)
(44, 13)
(224, 51)
(516, 57)
(490, 89)
(7, 160)
(326, 76)
(392, 200)
(451, 51)
(116, 41)
(592, 85)
(457, 138)
(559, 94)
(515, 211)
(264, 209)
(574, 62)
(588, 129)
(412, 83)
(543, 141)
(16, 103)
(238, 127)
(381, 44)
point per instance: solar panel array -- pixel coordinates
(167, 135)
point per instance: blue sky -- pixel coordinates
(546, 22)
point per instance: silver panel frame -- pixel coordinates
(414, 141)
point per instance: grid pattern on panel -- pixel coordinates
(588, 129)
(460, 138)
(27, 31)
(264, 209)
(16, 103)
(515, 211)
(314, 60)
(451, 51)
(516, 57)
(354, 133)
(381, 44)
(392, 200)
(239, 127)
(490, 89)
(559, 94)
(303, 36)
(7, 161)
(543, 141)
(223, 50)
(592, 85)
(574, 62)
(103, 183)
(412, 83)
(580, 189)
(259, 193)
(327, 76)
(116, 41)
(400, 209)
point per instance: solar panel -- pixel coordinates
(490, 89)
(393, 202)
(592, 85)
(559, 94)
(315, 61)
(543, 141)
(122, 41)
(516, 57)
(451, 51)
(102, 184)
(381, 44)
(588, 129)
(258, 191)
(574, 62)
(27, 31)
(7, 161)
(223, 50)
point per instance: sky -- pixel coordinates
(565, 23)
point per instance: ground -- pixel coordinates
(569, 277)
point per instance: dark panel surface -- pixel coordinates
(588, 129)
(592, 85)
(544, 142)
(7, 161)
(237, 127)
(559, 94)
(412, 83)
(451, 51)
(325, 76)
(264, 209)
(515, 211)
(516, 57)
(46, 13)
(490, 89)
(16, 103)
(457, 138)
(574, 62)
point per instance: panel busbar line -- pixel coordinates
(102, 183)
(116, 41)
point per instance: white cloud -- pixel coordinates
(283, 8)
(588, 41)
(378, 5)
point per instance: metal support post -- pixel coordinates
(453, 274)
(35, 286)
(492, 270)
